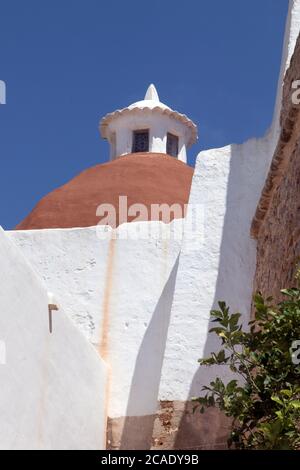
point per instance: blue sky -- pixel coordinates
(67, 63)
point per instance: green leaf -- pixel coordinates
(235, 318)
(231, 386)
(295, 404)
(291, 292)
(286, 392)
(277, 400)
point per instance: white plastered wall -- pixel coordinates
(291, 34)
(53, 386)
(228, 182)
(115, 291)
(148, 308)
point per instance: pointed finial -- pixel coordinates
(151, 93)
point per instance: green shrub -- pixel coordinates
(264, 402)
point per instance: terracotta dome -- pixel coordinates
(145, 178)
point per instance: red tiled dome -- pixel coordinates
(146, 178)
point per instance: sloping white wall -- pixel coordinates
(114, 290)
(292, 29)
(53, 386)
(228, 182)
(145, 304)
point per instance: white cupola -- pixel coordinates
(148, 126)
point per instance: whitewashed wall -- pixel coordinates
(113, 290)
(53, 386)
(145, 304)
(228, 181)
(292, 29)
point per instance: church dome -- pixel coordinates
(145, 178)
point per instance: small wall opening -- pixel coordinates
(140, 141)
(113, 146)
(172, 145)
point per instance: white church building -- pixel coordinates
(101, 328)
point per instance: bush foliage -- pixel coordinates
(264, 400)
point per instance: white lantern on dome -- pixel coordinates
(148, 126)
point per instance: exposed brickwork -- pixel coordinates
(278, 247)
(177, 426)
(174, 426)
(277, 222)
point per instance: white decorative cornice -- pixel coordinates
(151, 104)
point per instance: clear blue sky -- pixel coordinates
(67, 63)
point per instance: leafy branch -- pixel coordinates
(264, 398)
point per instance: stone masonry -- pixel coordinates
(276, 225)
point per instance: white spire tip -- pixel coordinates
(151, 93)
